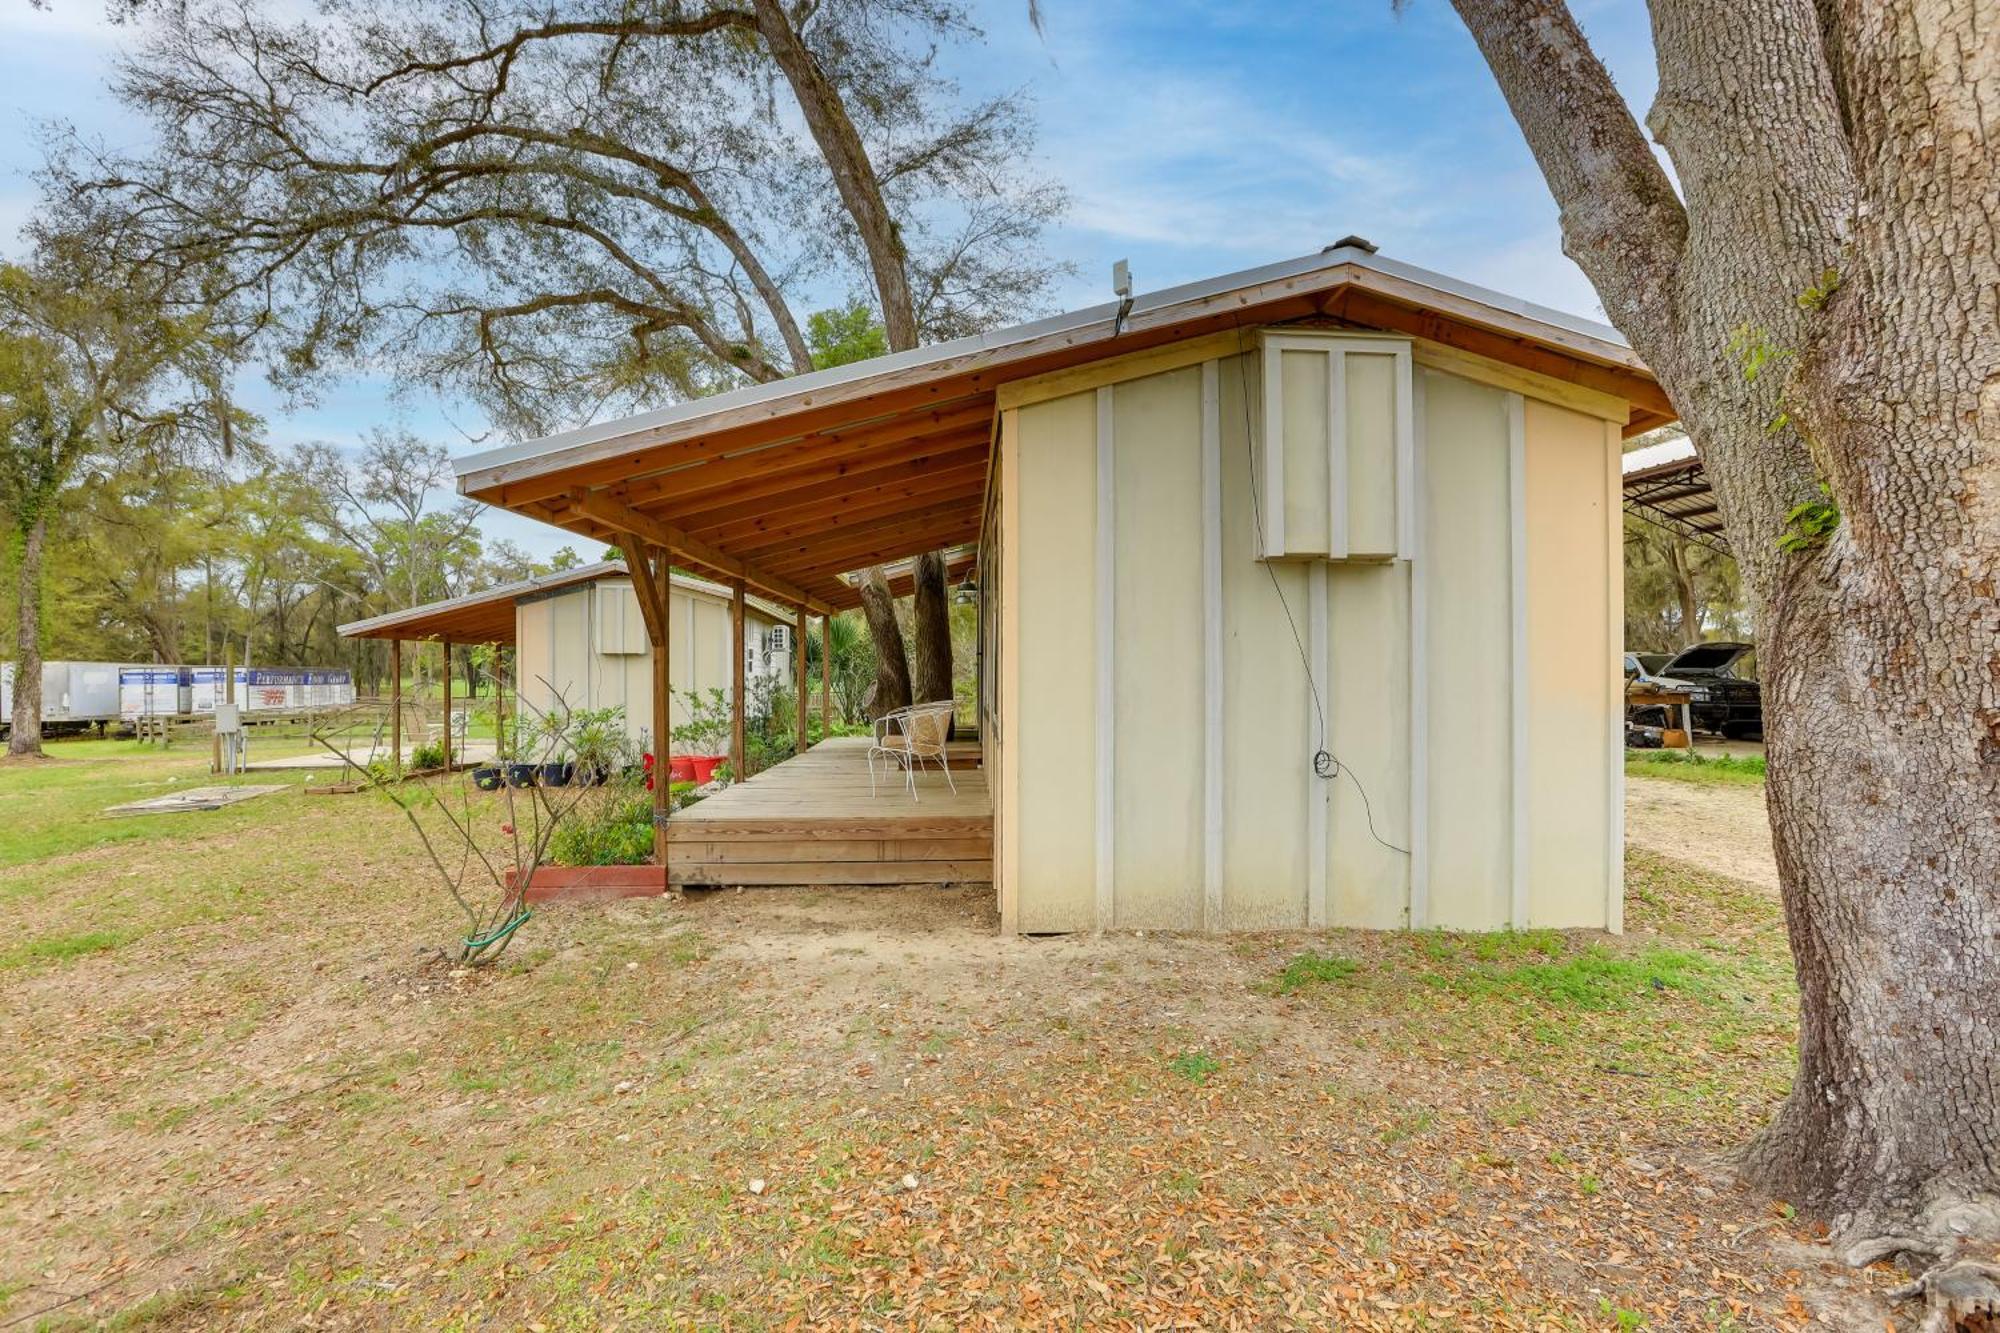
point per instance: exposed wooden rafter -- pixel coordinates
(687, 550)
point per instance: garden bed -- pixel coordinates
(584, 884)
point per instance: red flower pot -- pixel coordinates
(680, 768)
(706, 764)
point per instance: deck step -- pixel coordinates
(748, 874)
(812, 820)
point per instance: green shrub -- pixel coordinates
(429, 754)
(614, 832)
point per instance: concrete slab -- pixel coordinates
(194, 798)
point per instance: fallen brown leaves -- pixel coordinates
(207, 1128)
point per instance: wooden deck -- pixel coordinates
(810, 820)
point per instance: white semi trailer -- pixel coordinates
(76, 695)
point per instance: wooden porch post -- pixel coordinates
(663, 707)
(825, 677)
(444, 740)
(651, 568)
(499, 708)
(396, 704)
(738, 752)
(803, 675)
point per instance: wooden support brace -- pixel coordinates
(800, 674)
(825, 676)
(627, 521)
(738, 751)
(396, 704)
(445, 735)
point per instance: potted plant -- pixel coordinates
(702, 737)
(597, 744)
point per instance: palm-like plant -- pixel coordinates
(853, 661)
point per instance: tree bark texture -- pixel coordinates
(854, 174)
(892, 665)
(1684, 592)
(930, 674)
(1820, 304)
(931, 601)
(25, 736)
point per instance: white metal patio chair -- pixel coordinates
(911, 737)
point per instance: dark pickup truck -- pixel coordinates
(1720, 682)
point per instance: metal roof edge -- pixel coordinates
(548, 447)
(554, 581)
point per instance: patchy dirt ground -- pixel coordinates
(1721, 827)
(242, 1093)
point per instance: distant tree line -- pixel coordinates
(184, 559)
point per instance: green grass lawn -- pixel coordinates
(55, 808)
(246, 1089)
(1736, 770)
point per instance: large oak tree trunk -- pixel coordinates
(1821, 309)
(930, 675)
(25, 736)
(1681, 568)
(892, 665)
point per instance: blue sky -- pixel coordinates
(1194, 138)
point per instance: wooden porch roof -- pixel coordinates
(791, 485)
(488, 616)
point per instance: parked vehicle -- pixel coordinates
(1644, 668)
(1720, 680)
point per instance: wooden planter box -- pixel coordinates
(586, 884)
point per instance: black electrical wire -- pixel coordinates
(1325, 764)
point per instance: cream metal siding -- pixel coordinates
(1465, 569)
(587, 645)
(1267, 736)
(1157, 721)
(1051, 744)
(1368, 723)
(1571, 639)
(1157, 820)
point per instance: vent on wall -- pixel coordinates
(1338, 443)
(620, 629)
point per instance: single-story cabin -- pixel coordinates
(1300, 599)
(578, 636)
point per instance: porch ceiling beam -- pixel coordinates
(781, 551)
(847, 596)
(821, 532)
(821, 453)
(651, 608)
(830, 562)
(769, 495)
(727, 441)
(844, 507)
(623, 518)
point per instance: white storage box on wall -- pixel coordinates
(1338, 440)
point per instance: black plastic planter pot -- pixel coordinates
(520, 775)
(557, 775)
(487, 778)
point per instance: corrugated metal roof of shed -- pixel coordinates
(488, 616)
